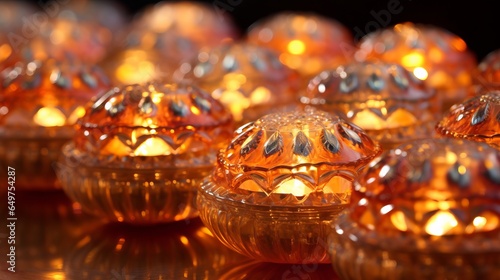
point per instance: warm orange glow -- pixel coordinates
(441, 223)
(49, 116)
(153, 147)
(399, 221)
(5, 51)
(233, 81)
(366, 119)
(293, 186)
(296, 47)
(260, 95)
(420, 73)
(135, 68)
(413, 59)
(291, 61)
(77, 113)
(235, 101)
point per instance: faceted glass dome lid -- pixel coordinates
(430, 187)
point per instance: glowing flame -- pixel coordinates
(296, 47)
(49, 116)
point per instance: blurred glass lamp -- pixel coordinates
(430, 53)
(306, 42)
(40, 101)
(476, 119)
(384, 99)
(248, 79)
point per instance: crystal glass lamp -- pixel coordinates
(178, 30)
(431, 53)
(281, 181)
(487, 76)
(248, 79)
(384, 99)
(305, 42)
(140, 151)
(425, 210)
(40, 101)
(477, 119)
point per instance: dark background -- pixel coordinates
(477, 22)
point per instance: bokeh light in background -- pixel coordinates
(384, 99)
(40, 101)
(305, 42)
(248, 79)
(487, 76)
(432, 54)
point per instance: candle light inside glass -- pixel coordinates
(40, 102)
(283, 178)
(427, 204)
(384, 99)
(141, 150)
(249, 80)
(432, 54)
(305, 42)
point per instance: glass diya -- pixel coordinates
(431, 53)
(305, 42)
(40, 100)
(281, 181)
(425, 210)
(248, 79)
(384, 99)
(178, 30)
(487, 75)
(476, 119)
(140, 151)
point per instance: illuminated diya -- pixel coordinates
(425, 210)
(432, 54)
(140, 152)
(476, 119)
(40, 101)
(248, 79)
(281, 181)
(384, 99)
(305, 42)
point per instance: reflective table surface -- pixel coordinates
(55, 240)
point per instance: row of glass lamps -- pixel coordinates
(308, 146)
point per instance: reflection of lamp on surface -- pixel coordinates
(476, 119)
(308, 43)
(430, 53)
(39, 103)
(384, 99)
(249, 270)
(426, 209)
(281, 181)
(49, 226)
(141, 150)
(170, 251)
(248, 79)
